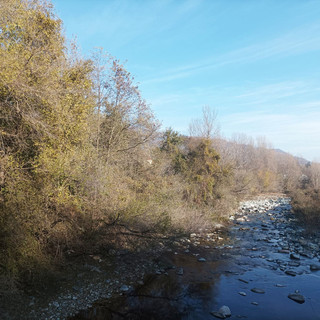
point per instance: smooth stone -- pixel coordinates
(313, 246)
(283, 251)
(124, 288)
(218, 315)
(180, 272)
(297, 297)
(225, 310)
(290, 273)
(307, 255)
(294, 256)
(314, 267)
(242, 293)
(202, 260)
(242, 280)
(254, 303)
(280, 285)
(223, 313)
(257, 290)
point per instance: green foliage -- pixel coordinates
(172, 143)
(205, 173)
(199, 163)
(171, 140)
(45, 100)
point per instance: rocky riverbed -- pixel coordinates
(263, 265)
(84, 280)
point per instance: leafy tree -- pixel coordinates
(171, 140)
(126, 122)
(204, 172)
(45, 100)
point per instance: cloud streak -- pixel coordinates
(295, 42)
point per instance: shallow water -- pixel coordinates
(249, 251)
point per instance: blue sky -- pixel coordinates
(256, 62)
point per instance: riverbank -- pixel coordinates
(115, 275)
(263, 266)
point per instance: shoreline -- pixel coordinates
(104, 276)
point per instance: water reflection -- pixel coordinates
(165, 296)
(252, 255)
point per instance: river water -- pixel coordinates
(264, 249)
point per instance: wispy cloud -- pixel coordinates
(122, 22)
(295, 42)
(275, 94)
(296, 95)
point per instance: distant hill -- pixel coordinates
(301, 161)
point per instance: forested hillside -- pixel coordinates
(83, 160)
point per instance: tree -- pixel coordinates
(171, 140)
(206, 127)
(205, 173)
(45, 101)
(126, 120)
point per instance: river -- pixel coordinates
(252, 267)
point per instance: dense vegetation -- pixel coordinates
(82, 160)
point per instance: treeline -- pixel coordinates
(83, 162)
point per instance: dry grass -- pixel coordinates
(306, 204)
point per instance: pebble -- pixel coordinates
(242, 293)
(257, 290)
(283, 251)
(202, 260)
(180, 272)
(124, 288)
(225, 310)
(217, 314)
(223, 313)
(242, 280)
(314, 267)
(254, 303)
(291, 273)
(294, 256)
(297, 297)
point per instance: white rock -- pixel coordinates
(202, 260)
(225, 311)
(124, 288)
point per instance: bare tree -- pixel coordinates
(207, 127)
(100, 73)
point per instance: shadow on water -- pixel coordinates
(255, 253)
(167, 296)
